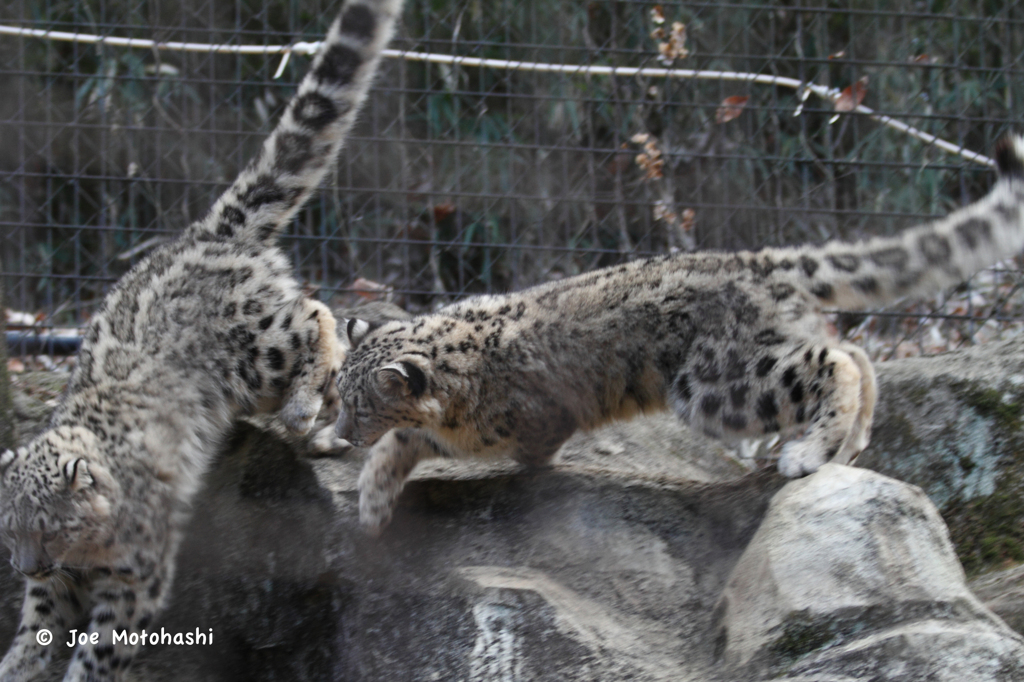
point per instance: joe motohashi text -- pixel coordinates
(144, 638)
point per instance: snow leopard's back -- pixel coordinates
(734, 343)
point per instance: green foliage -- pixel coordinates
(137, 144)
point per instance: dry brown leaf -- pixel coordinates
(674, 45)
(650, 160)
(688, 220)
(658, 14)
(662, 211)
(852, 95)
(369, 289)
(442, 211)
(730, 108)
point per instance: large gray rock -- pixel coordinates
(952, 424)
(1003, 593)
(488, 573)
(852, 573)
(606, 566)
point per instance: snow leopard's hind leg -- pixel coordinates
(841, 395)
(860, 435)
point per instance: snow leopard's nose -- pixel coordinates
(344, 428)
(29, 559)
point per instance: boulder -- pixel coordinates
(602, 567)
(622, 561)
(952, 424)
(853, 574)
(1003, 593)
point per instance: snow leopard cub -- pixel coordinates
(206, 329)
(734, 343)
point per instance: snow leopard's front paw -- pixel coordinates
(21, 665)
(324, 443)
(800, 458)
(300, 412)
(376, 501)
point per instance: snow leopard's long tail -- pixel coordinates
(921, 260)
(306, 141)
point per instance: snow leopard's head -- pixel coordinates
(385, 382)
(55, 502)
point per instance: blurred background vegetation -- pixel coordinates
(462, 180)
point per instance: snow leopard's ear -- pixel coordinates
(356, 330)
(6, 459)
(1009, 155)
(401, 379)
(76, 473)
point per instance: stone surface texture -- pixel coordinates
(952, 424)
(853, 573)
(643, 553)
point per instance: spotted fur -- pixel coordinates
(734, 343)
(210, 328)
(323, 441)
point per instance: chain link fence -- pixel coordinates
(465, 179)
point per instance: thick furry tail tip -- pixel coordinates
(1010, 157)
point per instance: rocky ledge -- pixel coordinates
(644, 553)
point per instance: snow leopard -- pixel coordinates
(209, 328)
(734, 343)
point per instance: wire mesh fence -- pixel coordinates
(464, 179)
